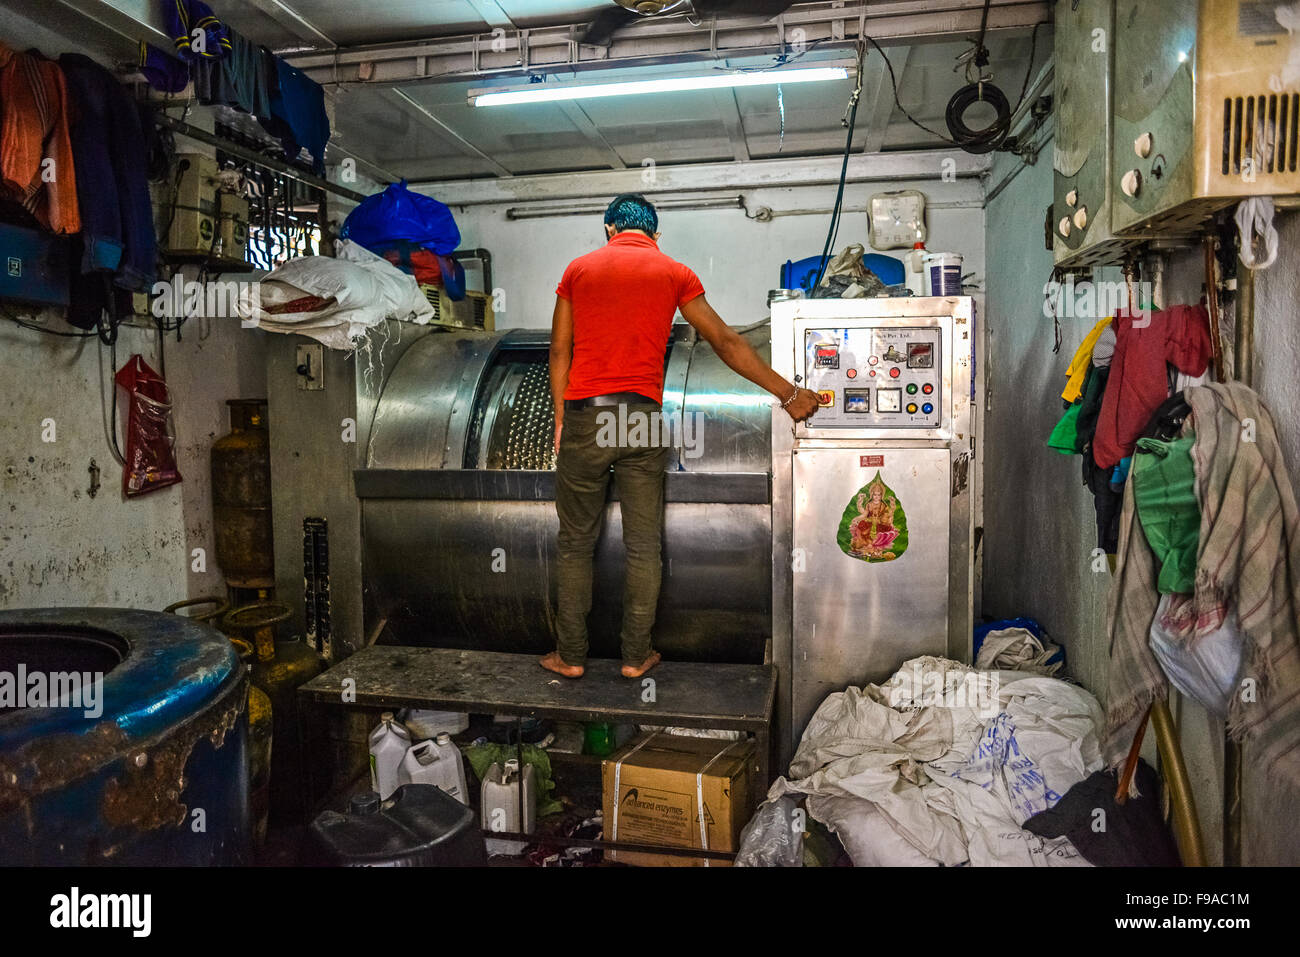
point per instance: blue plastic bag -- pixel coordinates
(398, 215)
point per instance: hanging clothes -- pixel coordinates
(1249, 552)
(109, 145)
(164, 73)
(1144, 345)
(195, 30)
(1165, 498)
(1082, 362)
(240, 79)
(298, 114)
(37, 169)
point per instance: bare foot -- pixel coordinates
(636, 671)
(553, 662)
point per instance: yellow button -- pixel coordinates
(911, 408)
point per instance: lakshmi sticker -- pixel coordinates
(874, 528)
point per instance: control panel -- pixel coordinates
(887, 377)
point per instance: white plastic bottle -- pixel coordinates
(500, 805)
(437, 762)
(917, 278)
(388, 745)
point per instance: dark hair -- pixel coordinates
(632, 211)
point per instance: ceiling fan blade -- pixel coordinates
(607, 23)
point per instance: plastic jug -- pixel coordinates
(500, 805)
(437, 762)
(388, 746)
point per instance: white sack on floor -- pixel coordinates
(953, 759)
(367, 289)
(1016, 649)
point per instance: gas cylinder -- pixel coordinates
(278, 668)
(241, 497)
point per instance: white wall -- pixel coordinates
(59, 546)
(737, 258)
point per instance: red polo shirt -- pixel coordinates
(624, 297)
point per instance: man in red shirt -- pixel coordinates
(613, 316)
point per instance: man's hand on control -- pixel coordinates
(804, 405)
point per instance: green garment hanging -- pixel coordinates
(1065, 437)
(1164, 492)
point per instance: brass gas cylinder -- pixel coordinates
(278, 668)
(241, 497)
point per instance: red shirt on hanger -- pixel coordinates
(1139, 382)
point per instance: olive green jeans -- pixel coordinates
(588, 450)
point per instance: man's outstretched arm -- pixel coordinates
(741, 358)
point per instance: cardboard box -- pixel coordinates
(656, 787)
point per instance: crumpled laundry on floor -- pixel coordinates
(951, 760)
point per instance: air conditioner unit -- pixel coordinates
(1206, 109)
(1081, 200)
(472, 312)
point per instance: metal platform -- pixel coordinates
(686, 694)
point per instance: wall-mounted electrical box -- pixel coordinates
(1081, 200)
(34, 267)
(203, 222)
(1206, 110)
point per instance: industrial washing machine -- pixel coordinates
(456, 488)
(872, 521)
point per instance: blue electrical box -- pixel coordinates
(34, 266)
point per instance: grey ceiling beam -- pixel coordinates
(423, 115)
(878, 97)
(917, 165)
(579, 118)
(729, 109)
(131, 20)
(491, 13)
(293, 21)
(833, 29)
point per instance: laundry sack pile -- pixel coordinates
(912, 772)
(333, 300)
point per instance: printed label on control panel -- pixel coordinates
(874, 526)
(889, 376)
(872, 461)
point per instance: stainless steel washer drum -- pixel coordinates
(458, 503)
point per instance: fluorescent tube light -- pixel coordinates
(550, 92)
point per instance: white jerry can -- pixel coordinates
(388, 745)
(500, 805)
(437, 762)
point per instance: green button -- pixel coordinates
(911, 388)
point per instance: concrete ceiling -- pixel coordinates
(399, 73)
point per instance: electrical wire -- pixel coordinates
(833, 230)
(893, 83)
